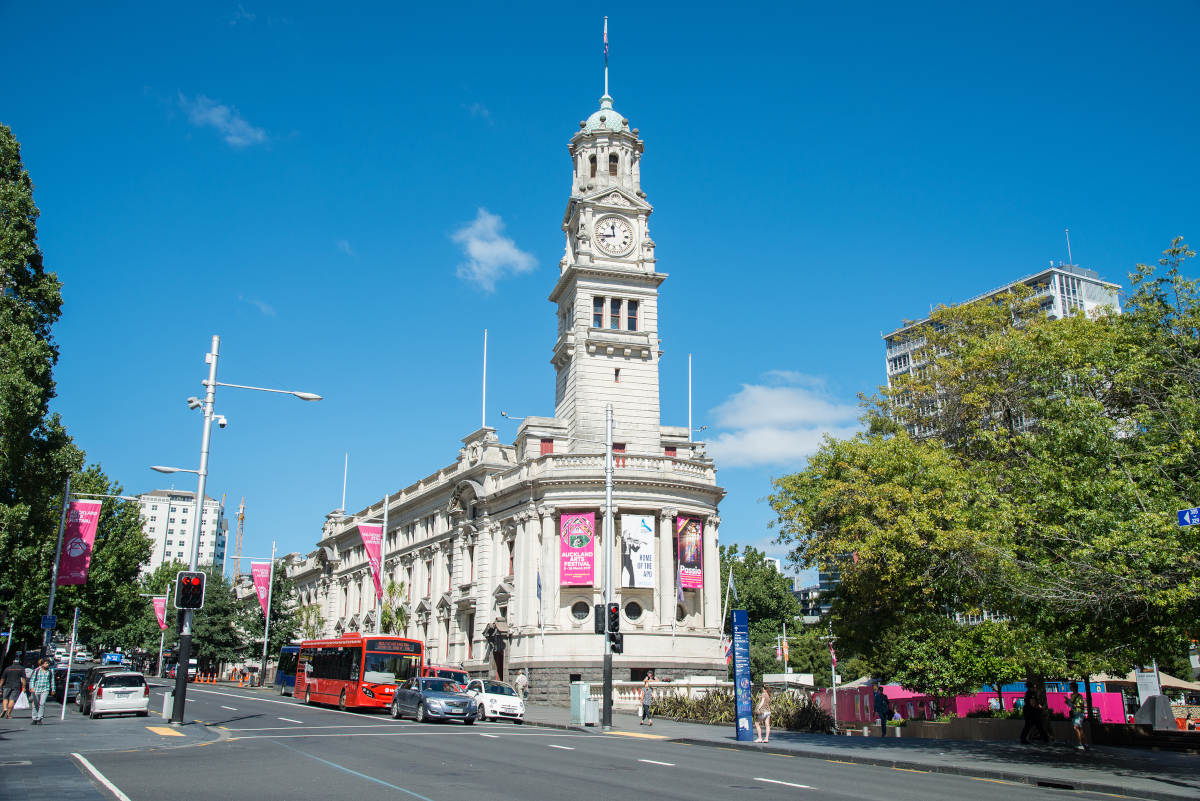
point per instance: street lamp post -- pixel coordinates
(610, 552)
(210, 391)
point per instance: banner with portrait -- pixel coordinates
(79, 535)
(372, 539)
(637, 551)
(690, 533)
(577, 549)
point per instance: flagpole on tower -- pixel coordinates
(606, 56)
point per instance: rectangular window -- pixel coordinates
(618, 454)
(614, 314)
(547, 446)
(597, 312)
(428, 579)
(671, 451)
(631, 315)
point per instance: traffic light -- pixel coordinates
(618, 642)
(189, 590)
(598, 618)
(614, 618)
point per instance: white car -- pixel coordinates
(121, 691)
(497, 700)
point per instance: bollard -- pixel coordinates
(168, 704)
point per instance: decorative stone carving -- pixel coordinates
(668, 512)
(616, 199)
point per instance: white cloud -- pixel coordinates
(241, 15)
(778, 422)
(344, 247)
(265, 308)
(490, 255)
(204, 111)
(479, 110)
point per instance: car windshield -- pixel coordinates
(123, 681)
(498, 688)
(389, 668)
(439, 685)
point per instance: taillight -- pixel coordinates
(99, 692)
(146, 691)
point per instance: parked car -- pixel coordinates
(496, 699)
(91, 678)
(446, 672)
(60, 683)
(83, 656)
(433, 699)
(121, 691)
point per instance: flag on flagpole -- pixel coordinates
(728, 650)
(732, 586)
(832, 653)
(606, 40)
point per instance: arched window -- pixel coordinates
(592, 164)
(613, 160)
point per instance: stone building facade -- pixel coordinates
(488, 548)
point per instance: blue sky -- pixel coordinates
(348, 194)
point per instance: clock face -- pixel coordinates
(614, 235)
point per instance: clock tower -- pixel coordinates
(608, 348)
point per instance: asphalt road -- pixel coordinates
(278, 748)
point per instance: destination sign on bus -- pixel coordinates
(394, 646)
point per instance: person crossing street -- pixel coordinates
(41, 686)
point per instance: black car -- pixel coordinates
(60, 683)
(88, 685)
(434, 699)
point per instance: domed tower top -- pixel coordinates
(607, 118)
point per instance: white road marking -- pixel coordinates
(293, 720)
(100, 777)
(786, 784)
(292, 704)
(656, 762)
(490, 735)
(230, 708)
(408, 732)
(563, 747)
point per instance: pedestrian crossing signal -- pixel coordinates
(189, 590)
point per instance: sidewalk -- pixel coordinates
(1141, 773)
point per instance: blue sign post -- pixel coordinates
(49, 621)
(741, 674)
(1189, 517)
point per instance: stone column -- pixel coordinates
(712, 574)
(549, 551)
(528, 553)
(665, 600)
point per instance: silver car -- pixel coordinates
(433, 699)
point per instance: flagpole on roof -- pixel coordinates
(606, 56)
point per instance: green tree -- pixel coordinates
(285, 615)
(394, 612)
(36, 454)
(310, 621)
(764, 592)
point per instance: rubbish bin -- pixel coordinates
(580, 690)
(591, 712)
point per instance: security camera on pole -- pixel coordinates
(189, 587)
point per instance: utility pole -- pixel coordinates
(832, 676)
(610, 554)
(62, 522)
(262, 671)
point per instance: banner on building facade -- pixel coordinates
(79, 535)
(160, 611)
(577, 549)
(261, 573)
(372, 537)
(637, 551)
(690, 531)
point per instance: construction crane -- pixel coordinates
(237, 545)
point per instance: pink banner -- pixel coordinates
(372, 537)
(160, 611)
(577, 552)
(261, 573)
(79, 535)
(690, 532)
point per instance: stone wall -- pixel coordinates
(552, 685)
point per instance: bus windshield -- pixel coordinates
(389, 668)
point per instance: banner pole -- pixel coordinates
(70, 656)
(387, 501)
(262, 671)
(62, 522)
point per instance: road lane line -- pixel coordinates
(639, 735)
(100, 777)
(230, 708)
(787, 784)
(656, 762)
(563, 747)
(165, 731)
(494, 736)
(292, 704)
(909, 770)
(351, 772)
(993, 781)
(293, 720)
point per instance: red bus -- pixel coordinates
(353, 670)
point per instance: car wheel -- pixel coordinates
(282, 689)
(520, 721)
(421, 716)
(468, 721)
(94, 715)
(307, 696)
(395, 710)
(483, 712)
(342, 701)
(143, 713)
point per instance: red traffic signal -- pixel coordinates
(189, 590)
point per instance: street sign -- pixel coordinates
(49, 621)
(741, 673)
(1189, 517)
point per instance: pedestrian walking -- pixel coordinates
(647, 700)
(13, 682)
(881, 709)
(762, 716)
(1031, 710)
(41, 685)
(521, 685)
(1078, 706)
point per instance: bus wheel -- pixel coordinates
(282, 688)
(307, 696)
(342, 701)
